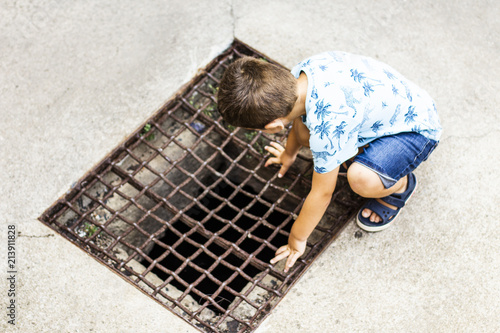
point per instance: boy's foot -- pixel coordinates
(386, 214)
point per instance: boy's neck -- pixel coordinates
(300, 105)
(298, 110)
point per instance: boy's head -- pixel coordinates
(253, 93)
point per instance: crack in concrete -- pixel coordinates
(35, 236)
(472, 137)
(231, 12)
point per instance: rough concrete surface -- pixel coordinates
(77, 77)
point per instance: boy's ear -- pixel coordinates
(275, 125)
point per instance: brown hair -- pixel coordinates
(253, 92)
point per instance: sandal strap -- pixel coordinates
(399, 199)
(383, 211)
(394, 200)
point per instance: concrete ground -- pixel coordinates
(77, 77)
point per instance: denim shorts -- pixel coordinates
(393, 157)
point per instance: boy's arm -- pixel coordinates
(284, 156)
(312, 211)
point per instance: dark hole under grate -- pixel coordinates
(185, 210)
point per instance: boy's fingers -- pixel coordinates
(292, 258)
(282, 253)
(283, 170)
(282, 249)
(272, 150)
(277, 146)
(279, 257)
(272, 160)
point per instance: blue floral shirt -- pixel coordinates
(353, 100)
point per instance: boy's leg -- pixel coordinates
(381, 172)
(367, 184)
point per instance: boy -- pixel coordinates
(359, 117)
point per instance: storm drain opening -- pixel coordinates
(185, 210)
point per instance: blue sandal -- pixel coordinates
(387, 214)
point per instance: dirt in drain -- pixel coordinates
(221, 272)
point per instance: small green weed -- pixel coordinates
(259, 144)
(195, 100)
(250, 135)
(89, 229)
(213, 89)
(208, 111)
(147, 128)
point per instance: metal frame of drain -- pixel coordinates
(185, 210)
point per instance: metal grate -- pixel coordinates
(185, 210)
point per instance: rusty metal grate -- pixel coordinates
(185, 211)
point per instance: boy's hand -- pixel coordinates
(281, 157)
(293, 250)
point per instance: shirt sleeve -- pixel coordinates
(296, 71)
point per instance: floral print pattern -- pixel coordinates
(352, 100)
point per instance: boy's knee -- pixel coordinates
(363, 181)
